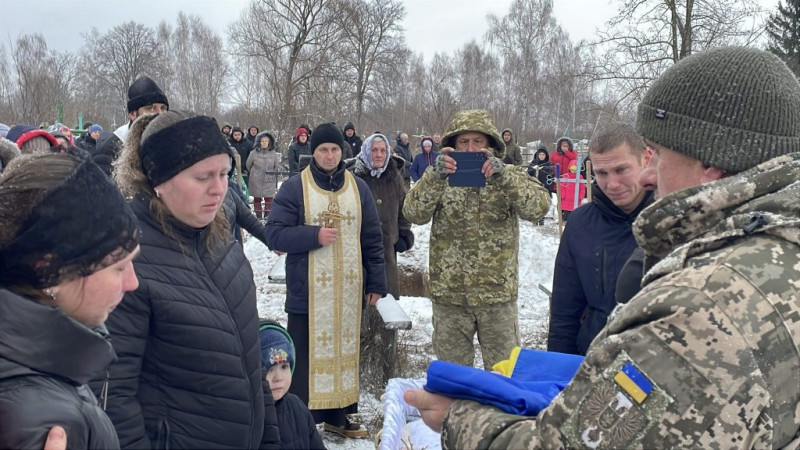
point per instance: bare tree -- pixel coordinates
(295, 40)
(197, 63)
(372, 37)
(647, 36)
(524, 38)
(114, 60)
(38, 79)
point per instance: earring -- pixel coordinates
(50, 293)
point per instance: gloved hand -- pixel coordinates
(439, 167)
(498, 166)
(405, 242)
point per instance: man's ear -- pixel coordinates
(133, 115)
(712, 174)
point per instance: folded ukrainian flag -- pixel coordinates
(536, 377)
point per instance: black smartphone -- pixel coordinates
(468, 169)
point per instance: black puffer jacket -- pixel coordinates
(297, 425)
(46, 359)
(189, 372)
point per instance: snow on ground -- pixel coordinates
(537, 251)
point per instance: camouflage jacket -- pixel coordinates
(706, 355)
(474, 238)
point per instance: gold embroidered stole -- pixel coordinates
(334, 296)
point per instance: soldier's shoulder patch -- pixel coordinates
(618, 409)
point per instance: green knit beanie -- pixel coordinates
(731, 108)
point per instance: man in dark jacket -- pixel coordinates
(597, 241)
(324, 218)
(242, 147)
(513, 152)
(89, 140)
(106, 151)
(402, 150)
(352, 139)
(250, 136)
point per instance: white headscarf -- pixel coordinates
(366, 155)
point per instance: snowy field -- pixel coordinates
(538, 246)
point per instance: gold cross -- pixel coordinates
(332, 215)
(325, 339)
(324, 279)
(349, 218)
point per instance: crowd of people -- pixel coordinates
(128, 307)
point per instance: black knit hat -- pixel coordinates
(326, 133)
(143, 92)
(731, 108)
(179, 146)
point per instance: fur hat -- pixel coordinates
(731, 108)
(326, 133)
(276, 344)
(143, 92)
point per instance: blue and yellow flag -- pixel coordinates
(633, 382)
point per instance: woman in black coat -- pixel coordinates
(67, 241)
(189, 369)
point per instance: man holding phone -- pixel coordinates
(474, 240)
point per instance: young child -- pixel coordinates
(295, 422)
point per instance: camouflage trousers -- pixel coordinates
(454, 327)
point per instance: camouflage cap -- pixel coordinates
(474, 120)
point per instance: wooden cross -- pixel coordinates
(332, 215)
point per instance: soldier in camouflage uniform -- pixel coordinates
(706, 355)
(474, 242)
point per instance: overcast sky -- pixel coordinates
(431, 25)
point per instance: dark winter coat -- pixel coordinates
(629, 282)
(261, 161)
(543, 169)
(239, 214)
(354, 142)
(189, 373)
(296, 425)
(287, 232)
(106, 151)
(251, 139)
(404, 152)
(242, 147)
(46, 359)
(421, 162)
(296, 150)
(87, 143)
(597, 241)
(389, 193)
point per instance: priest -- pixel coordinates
(327, 223)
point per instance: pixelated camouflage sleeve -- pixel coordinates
(529, 198)
(672, 370)
(423, 198)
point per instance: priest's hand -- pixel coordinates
(372, 298)
(432, 407)
(326, 236)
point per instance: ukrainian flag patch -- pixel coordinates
(633, 382)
